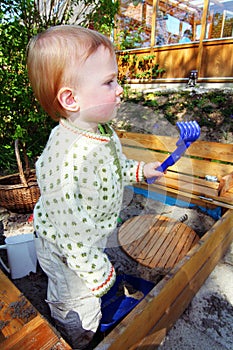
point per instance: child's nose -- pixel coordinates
(119, 90)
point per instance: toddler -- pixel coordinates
(81, 173)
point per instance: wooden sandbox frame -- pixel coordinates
(21, 325)
(147, 324)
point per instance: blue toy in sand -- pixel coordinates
(116, 305)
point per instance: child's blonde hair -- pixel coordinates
(54, 59)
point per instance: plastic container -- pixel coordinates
(21, 254)
(116, 306)
(211, 178)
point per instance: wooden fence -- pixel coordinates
(212, 59)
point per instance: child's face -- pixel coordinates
(98, 92)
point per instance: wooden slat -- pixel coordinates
(161, 242)
(192, 192)
(169, 298)
(190, 187)
(177, 242)
(190, 242)
(165, 245)
(22, 327)
(188, 174)
(15, 309)
(225, 202)
(194, 180)
(185, 165)
(179, 60)
(151, 246)
(195, 189)
(201, 185)
(133, 228)
(204, 149)
(179, 304)
(36, 335)
(129, 238)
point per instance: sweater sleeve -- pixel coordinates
(91, 264)
(131, 170)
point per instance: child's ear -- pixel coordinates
(67, 99)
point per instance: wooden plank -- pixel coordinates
(177, 244)
(15, 310)
(202, 183)
(193, 189)
(179, 60)
(22, 327)
(151, 245)
(178, 306)
(36, 335)
(196, 267)
(190, 187)
(159, 258)
(160, 243)
(134, 228)
(223, 62)
(131, 243)
(191, 240)
(186, 178)
(197, 168)
(176, 195)
(210, 202)
(203, 149)
(185, 165)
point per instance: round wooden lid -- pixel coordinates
(156, 241)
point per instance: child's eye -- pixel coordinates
(109, 82)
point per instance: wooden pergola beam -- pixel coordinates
(153, 22)
(203, 33)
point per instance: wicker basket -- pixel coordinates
(19, 192)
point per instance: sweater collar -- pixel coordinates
(104, 131)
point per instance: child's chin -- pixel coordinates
(114, 114)
(109, 117)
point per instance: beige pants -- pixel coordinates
(75, 310)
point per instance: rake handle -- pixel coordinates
(171, 160)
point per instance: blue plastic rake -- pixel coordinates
(189, 132)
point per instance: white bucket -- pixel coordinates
(21, 255)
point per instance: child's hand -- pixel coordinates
(150, 170)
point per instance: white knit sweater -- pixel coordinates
(81, 176)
